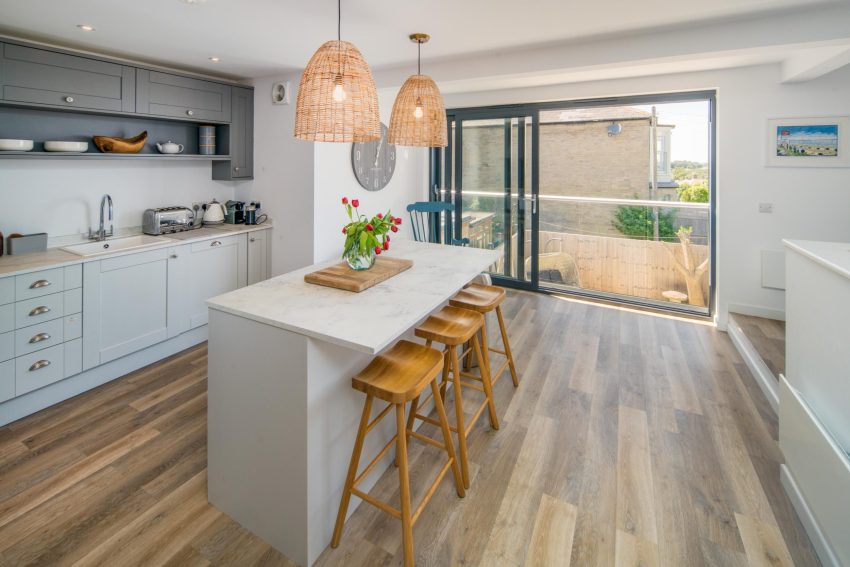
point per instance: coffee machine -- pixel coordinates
(235, 212)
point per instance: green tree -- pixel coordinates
(694, 192)
(636, 222)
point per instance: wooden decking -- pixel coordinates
(632, 440)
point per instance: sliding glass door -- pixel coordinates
(608, 198)
(490, 178)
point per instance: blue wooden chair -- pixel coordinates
(423, 221)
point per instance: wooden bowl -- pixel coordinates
(112, 145)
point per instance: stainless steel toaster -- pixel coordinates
(166, 220)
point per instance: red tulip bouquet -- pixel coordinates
(366, 238)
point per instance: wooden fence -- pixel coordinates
(625, 266)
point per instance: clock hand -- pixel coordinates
(378, 152)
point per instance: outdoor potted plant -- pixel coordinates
(366, 238)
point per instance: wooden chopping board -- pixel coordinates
(341, 276)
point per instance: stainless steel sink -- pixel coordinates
(113, 245)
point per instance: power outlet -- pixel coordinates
(198, 209)
(765, 207)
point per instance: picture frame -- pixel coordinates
(808, 141)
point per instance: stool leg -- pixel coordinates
(488, 385)
(404, 485)
(352, 471)
(507, 345)
(461, 428)
(411, 421)
(445, 379)
(447, 438)
(485, 349)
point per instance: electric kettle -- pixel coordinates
(214, 212)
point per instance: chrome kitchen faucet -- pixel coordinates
(101, 233)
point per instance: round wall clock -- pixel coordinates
(373, 162)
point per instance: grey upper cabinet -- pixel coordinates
(240, 144)
(186, 98)
(41, 77)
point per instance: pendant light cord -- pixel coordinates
(419, 58)
(339, 20)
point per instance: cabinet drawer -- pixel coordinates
(7, 380)
(39, 310)
(7, 346)
(36, 370)
(40, 283)
(7, 290)
(163, 94)
(42, 77)
(7, 318)
(39, 337)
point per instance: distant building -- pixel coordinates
(584, 152)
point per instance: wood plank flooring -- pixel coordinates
(632, 440)
(767, 337)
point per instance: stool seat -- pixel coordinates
(401, 373)
(450, 325)
(479, 297)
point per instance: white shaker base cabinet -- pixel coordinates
(259, 257)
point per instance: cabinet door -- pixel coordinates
(214, 268)
(240, 140)
(42, 77)
(179, 284)
(163, 94)
(125, 305)
(258, 256)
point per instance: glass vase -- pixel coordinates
(358, 261)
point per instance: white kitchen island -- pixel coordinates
(282, 414)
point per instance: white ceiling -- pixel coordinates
(255, 38)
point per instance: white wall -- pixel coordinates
(808, 203)
(300, 184)
(62, 197)
(283, 177)
(335, 179)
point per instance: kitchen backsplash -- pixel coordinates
(62, 198)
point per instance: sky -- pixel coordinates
(689, 139)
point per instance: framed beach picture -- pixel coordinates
(816, 141)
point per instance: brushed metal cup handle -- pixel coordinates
(216, 243)
(40, 310)
(39, 365)
(69, 99)
(253, 239)
(39, 338)
(39, 284)
(173, 256)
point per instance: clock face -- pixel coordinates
(373, 162)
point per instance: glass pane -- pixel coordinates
(624, 201)
(496, 212)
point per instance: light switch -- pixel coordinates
(765, 207)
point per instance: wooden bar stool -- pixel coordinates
(453, 326)
(398, 376)
(484, 299)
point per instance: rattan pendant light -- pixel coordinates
(419, 114)
(337, 100)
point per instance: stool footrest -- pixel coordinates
(426, 439)
(431, 491)
(378, 418)
(394, 512)
(497, 351)
(375, 461)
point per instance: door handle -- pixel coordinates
(39, 365)
(39, 338)
(40, 310)
(39, 283)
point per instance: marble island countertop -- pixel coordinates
(367, 321)
(56, 257)
(834, 256)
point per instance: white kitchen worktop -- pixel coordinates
(56, 257)
(367, 321)
(834, 256)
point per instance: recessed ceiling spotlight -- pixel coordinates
(86, 27)
(215, 59)
(193, 1)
